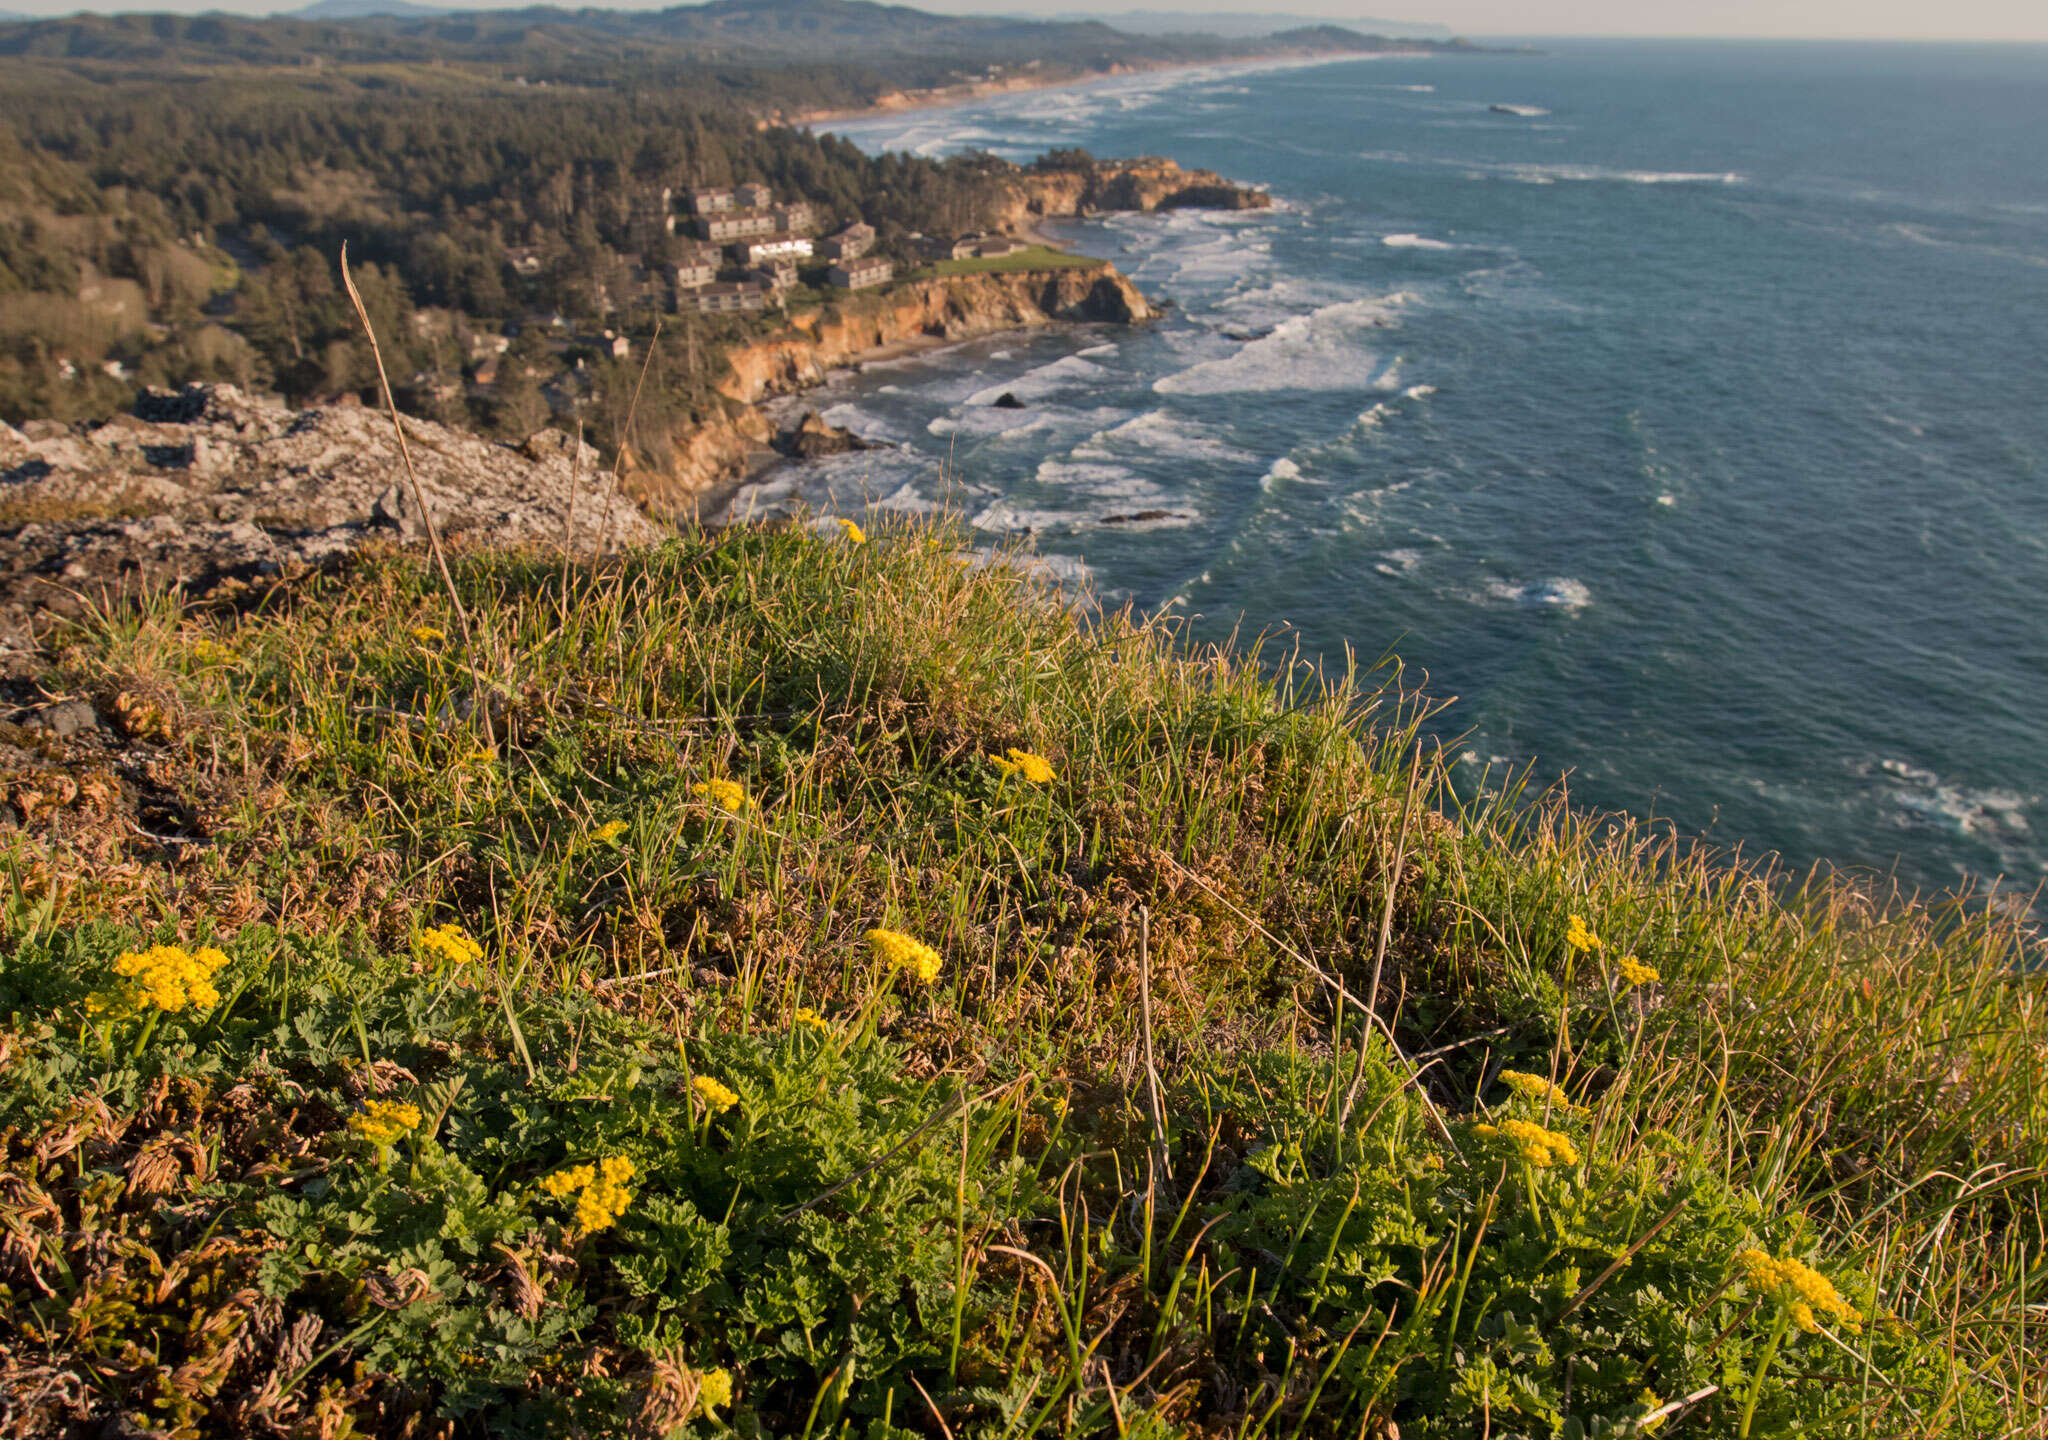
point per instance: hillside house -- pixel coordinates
(725, 298)
(851, 243)
(710, 201)
(861, 274)
(797, 215)
(730, 225)
(781, 245)
(754, 195)
(525, 261)
(778, 273)
(696, 266)
(985, 247)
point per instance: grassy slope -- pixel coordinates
(943, 1208)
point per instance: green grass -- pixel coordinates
(969, 1207)
(1031, 257)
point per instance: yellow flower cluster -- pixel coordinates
(208, 652)
(854, 534)
(1579, 937)
(1538, 1089)
(805, 1015)
(1635, 972)
(1538, 1147)
(600, 1191)
(1808, 1294)
(714, 1388)
(900, 952)
(163, 977)
(727, 795)
(383, 1121)
(1034, 768)
(452, 943)
(717, 1098)
(427, 634)
(609, 832)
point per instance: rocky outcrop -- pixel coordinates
(812, 438)
(207, 485)
(1151, 182)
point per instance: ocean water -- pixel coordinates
(1688, 424)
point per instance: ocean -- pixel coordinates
(1685, 422)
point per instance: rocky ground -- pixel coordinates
(210, 487)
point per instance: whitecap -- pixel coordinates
(1561, 593)
(1419, 392)
(1322, 350)
(1415, 242)
(1282, 469)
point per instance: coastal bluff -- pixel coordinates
(938, 310)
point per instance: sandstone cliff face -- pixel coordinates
(1150, 183)
(954, 307)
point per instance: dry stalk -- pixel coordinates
(404, 451)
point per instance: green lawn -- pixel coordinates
(1031, 257)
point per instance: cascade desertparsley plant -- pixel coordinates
(163, 977)
(600, 1191)
(727, 795)
(382, 1122)
(1634, 972)
(898, 951)
(1806, 1293)
(1580, 937)
(1035, 769)
(1538, 1148)
(717, 1098)
(1538, 1089)
(451, 943)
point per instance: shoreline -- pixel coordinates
(947, 97)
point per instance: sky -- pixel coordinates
(1871, 19)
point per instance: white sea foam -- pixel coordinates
(1419, 392)
(1094, 350)
(1532, 173)
(1560, 594)
(1160, 433)
(1415, 242)
(1397, 563)
(1065, 373)
(1323, 350)
(1527, 112)
(1282, 469)
(1922, 795)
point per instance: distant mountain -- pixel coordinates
(1248, 25)
(362, 10)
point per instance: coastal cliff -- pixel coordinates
(941, 309)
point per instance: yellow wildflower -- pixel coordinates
(383, 1121)
(727, 795)
(163, 977)
(206, 652)
(1806, 1292)
(1580, 938)
(1537, 1147)
(1635, 972)
(854, 534)
(900, 952)
(714, 1388)
(600, 1191)
(1535, 1087)
(452, 943)
(427, 634)
(609, 832)
(1034, 768)
(716, 1097)
(805, 1015)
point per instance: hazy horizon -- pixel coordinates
(2021, 21)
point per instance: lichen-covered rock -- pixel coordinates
(209, 484)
